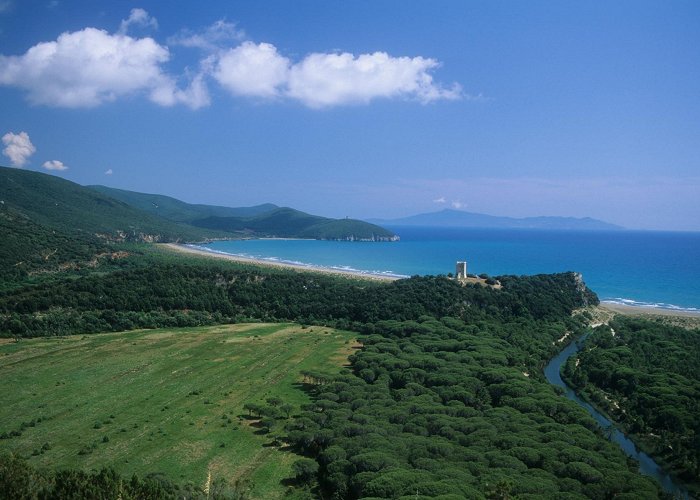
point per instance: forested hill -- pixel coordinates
(177, 210)
(72, 209)
(446, 398)
(260, 220)
(290, 223)
(50, 225)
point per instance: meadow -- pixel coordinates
(165, 401)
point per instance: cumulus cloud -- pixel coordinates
(457, 205)
(252, 70)
(54, 165)
(137, 17)
(440, 200)
(89, 67)
(109, 171)
(211, 38)
(323, 80)
(18, 148)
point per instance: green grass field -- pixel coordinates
(167, 401)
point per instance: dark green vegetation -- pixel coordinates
(50, 226)
(647, 377)
(29, 249)
(176, 210)
(290, 223)
(167, 401)
(261, 220)
(447, 396)
(76, 211)
(20, 480)
(164, 291)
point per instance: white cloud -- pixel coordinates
(109, 171)
(457, 204)
(251, 69)
(195, 96)
(321, 80)
(89, 67)
(18, 148)
(440, 200)
(54, 165)
(137, 17)
(210, 39)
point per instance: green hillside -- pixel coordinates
(180, 211)
(260, 220)
(30, 249)
(346, 229)
(67, 207)
(290, 223)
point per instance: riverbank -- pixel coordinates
(653, 467)
(190, 250)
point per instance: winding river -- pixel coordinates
(647, 465)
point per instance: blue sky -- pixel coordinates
(365, 108)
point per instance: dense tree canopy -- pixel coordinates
(446, 397)
(647, 376)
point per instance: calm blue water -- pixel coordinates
(636, 267)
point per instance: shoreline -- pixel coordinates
(613, 307)
(185, 249)
(629, 310)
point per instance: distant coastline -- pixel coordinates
(203, 252)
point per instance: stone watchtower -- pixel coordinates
(461, 271)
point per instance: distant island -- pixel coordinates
(459, 218)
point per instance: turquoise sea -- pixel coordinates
(651, 268)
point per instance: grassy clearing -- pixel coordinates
(167, 401)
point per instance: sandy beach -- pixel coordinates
(647, 311)
(280, 265)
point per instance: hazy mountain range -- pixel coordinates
(459, 218)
